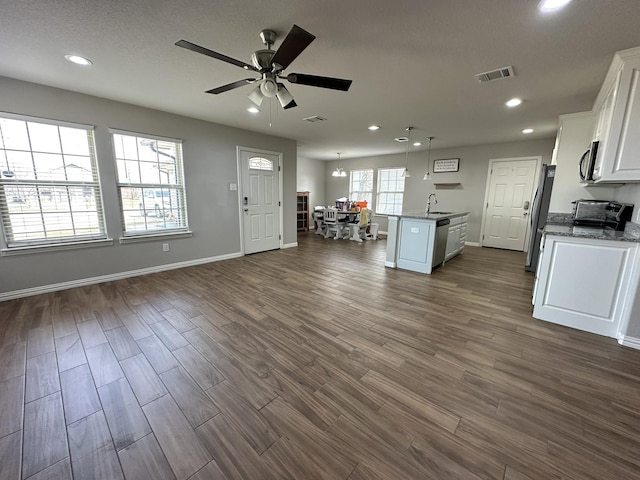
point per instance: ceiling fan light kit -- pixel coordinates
(270, 65)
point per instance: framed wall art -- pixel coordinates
(446, 165)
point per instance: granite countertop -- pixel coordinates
(437, 215)
(595, 233)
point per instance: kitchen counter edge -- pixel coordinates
(421, 215)
(595, 233)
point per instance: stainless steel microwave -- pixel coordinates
(588, 162)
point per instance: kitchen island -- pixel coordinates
(421, 242)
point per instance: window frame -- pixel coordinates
(352, 195)
(12, 246)
(379, 191)
(141, 235)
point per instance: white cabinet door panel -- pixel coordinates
(619, 121)
(583, 283)
(416, 242)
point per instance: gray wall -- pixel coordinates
(210, 164)
(469, 196)
(311, 178)
(630, 193)
(574, 138)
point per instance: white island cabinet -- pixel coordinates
(415, 249)
(456, 237)
(411, 240)
(586, 283)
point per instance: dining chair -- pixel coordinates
(333, 225)
(358, 228)
(318, 218)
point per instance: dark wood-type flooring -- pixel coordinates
(314, 362)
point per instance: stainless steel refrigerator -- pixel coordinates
(539, 215)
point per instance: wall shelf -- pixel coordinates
(447, 185)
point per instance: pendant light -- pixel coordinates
(406, 173)
(339, 172)
(427, 175)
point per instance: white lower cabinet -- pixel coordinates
(585, 283)
(457, 237)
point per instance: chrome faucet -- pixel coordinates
(435, 201)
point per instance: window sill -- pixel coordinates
(26, 250)
(155, 237)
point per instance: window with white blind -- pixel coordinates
(49, 184)
(361, 186)
(390, 191)
(150, 184)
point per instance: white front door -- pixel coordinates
(508, 203)
(260, 200)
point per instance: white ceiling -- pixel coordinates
(412, 62)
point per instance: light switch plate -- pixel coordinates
(233, 187)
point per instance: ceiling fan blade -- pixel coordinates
(322, 82)
(231, 86)
(210, 53)
(291, 104)
(293, 45)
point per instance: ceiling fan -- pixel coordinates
(270, 64)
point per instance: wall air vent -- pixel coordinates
(315, 118)
(504, 72)
(402, 139)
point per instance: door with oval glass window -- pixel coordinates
(260, 197)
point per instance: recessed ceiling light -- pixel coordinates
(416, 144)
(552, 5)
(78, 60)
(514, 102)
(373, 128)
(527, 131)
(253, 110)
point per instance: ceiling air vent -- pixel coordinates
(401, 139)
(315, 118)
(504, 72)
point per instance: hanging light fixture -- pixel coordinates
(339, 172)
(406, 173)
(427, 175)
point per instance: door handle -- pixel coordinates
(246, 209)
(525, 214)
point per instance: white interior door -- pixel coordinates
(509, 203)
(260, 200)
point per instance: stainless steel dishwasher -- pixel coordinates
(440, 247)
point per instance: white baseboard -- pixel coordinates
(472, 244)
(290, 245)
(630, 342)
(111, 277)
(390, 264)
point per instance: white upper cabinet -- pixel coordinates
(617, 111)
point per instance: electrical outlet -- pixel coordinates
(165, 247)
